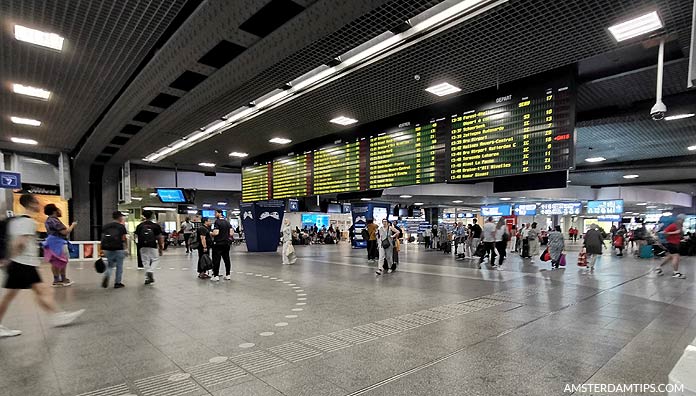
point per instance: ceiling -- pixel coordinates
(137, 75)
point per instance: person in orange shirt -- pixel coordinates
(372, 240)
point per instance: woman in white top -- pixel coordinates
(385, 242)
(288, 250)
(502, 235)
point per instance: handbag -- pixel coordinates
(582, 258)
(545, 256)
(562, 260)
(205, 263)
(480, 250)
(100, 266)
(385, 243)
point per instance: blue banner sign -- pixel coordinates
(496, 210)
(607, 207)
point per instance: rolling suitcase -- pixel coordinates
(447, 247)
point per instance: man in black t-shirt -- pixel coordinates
(112, 243)
(221, 246)
(150, 245)
(205, 243)
(474, 238)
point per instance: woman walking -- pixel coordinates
(556, 246)
(502, 235)
(385, 243)
(533, 238)
(56, 245)
(593, 243)
(288, 250)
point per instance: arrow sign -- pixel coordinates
(10, 180)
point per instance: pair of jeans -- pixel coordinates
(115, 260)
(488, 249)
(501, 247)
(221, 251)
(150, 258)
(386, 254)
(372, 249)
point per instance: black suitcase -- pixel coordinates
(525, 248)
(447, 247)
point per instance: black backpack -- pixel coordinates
(5, 238)
(146, 236)
(112, 238)
(365, 234)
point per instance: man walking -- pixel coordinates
(488, 242)
(221, 246)
(150, 243)
(476, 231)
(187, 230)
(112, 243)
(23, 258)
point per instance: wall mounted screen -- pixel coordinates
(171, 195)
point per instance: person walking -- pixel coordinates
(205, 243)
(513, 238)
(397, 245)
(556, 245)
(502, 235)
(151, 244)
(56, 245)
(489, 230)
(23, 257)
(385, 241)
(533, 238)
(187, 230)
(476, 232)
(288, 251)
(221, 246)
(113, 241)
(427, 236)
(620, 240)
(458, 238)
(673, 235)
(593, 243)
(371, 240)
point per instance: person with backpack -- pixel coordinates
(56, 245)
(187, 230)
(150, 244)
(221, 246)
(112, 243)
(385, 242)
(203, 243)
(475, 235)
(22, 255)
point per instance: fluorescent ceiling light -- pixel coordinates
(31, 91)
(457, 201)
(366, 199)
(636, 26)
(443, 89)
(505, 199)
(207, 164)
(679, 116)
(641, 204)
(651, 206)
(238, 154)
(278, 140)
(691, 148)
(206, 205)
(631, 176)
(136, 199)
(405, 196)
(595, 159)
(159, 208)
(418, 203)
(25, 121)
(667, 213)
(343, 120)
(24, 141)
(153, 194)
(44, 39)
(222, 203)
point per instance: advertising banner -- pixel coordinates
(262, 221)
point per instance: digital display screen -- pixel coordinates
(608, 207)
(311, 219)
(293, 205)
(379, 214)
(333, 208)
(171, 195)
(346, 207)
(525, 209)
(560, 208)
(338, 169)
(255, 181)
(526, 131)
(211, 213)
(411, 155)
(292, 177)
(496, 210)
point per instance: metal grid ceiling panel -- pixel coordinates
(516, 40)
(104, 42)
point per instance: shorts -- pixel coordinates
(21, 276)
(672, 248)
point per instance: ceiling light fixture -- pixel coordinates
(238, 154)
(366, 199)
(667, 213)
(595, 159)
(651, 206)
(31, 91)
(24, 141)
(443, 89)
(505, 199)
(405, 196)
(636, 26)
(631, 176)
(33, 36)
(691, 148)
(206, 205)
(222, 203)
(207, 164)
(25, 121)
(458, 201)
(418, 203)
(641, 204)
(278, 140)
(158, 208)
(343, 120)
(136, 199)
(679, 116)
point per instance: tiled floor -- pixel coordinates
(329, 326)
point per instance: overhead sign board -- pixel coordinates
(607, 207)
(10, 180)
(560, 208)
(496, 210)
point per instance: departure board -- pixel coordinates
(255, 183)
(410, 155)
(292, 177)
(339, 169)
(514, 134)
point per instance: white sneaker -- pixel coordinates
(65, 318)
(5, 332)
(215, 279)
(227, 277)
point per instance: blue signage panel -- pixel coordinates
(611, 218)
(496, 210)
(561, 208)
(171, 195)
(10, 180)
(525, 209)
(613, 206)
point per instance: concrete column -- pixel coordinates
(81, 203)
(109, 192)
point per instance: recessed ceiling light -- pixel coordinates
(44, 39)
(641, 204)
(443, 89)
(505, 199)
(25, 121)
(405, 196)
(238, 154)
(366, 199)
(418, 203)
(206, 205)
(691, 148)
(343, 120)
(206, 164)
(595, 159)
(636, 26)
(631, 176)
(651, 206)
(24, 141)
(31, 91)
(278, 140)
(667, 213)
(457, 201)
(523, 197)
(154, 194)
(222, 203)
(679, 116)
